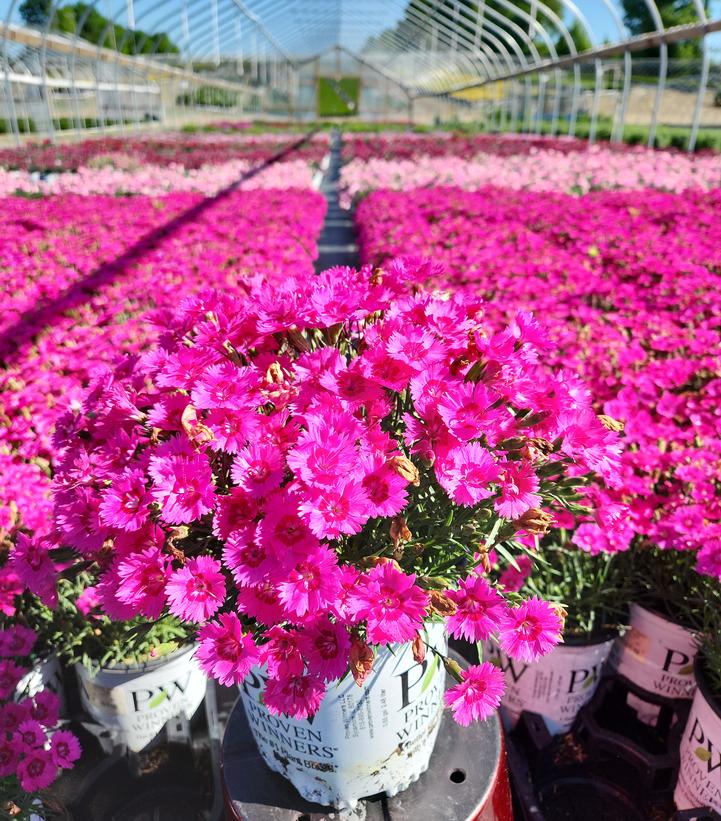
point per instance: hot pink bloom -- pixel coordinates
(282, 653)
(466, 474)
(31, 562)
(480, 609)
(530, 630)
(326, 648)
(236, 511)
(224, 651)
(87, 600)
(65, 749)
(197, 590)
(10, 588)
(258, 468)
(312, 585)
(9, 758)
(323, 456)
(12, 715)
(385, 488)
(143, 577)
(513, 579)
(478, 695)
(29, 735)
(391, 603)
(10, 676)
(333, 511)
(46, 708)
(519, 486)
(295, 696)
(248, 560)
(183, 483)
(37, 770)
(261, 602)
(17, 640)
(226, 387)
(465, 408)
(125, 504)
(282, 531)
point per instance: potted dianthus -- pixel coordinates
(592, 590)
(134, 674)
(310, 478)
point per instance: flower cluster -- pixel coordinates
(628, 287)
(320, 468)
(31, 748)
(83, 279)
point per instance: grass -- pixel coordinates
(338, 98)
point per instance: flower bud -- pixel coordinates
(454, 669)
(405, 468)
(441, 604)
(377, 276)
(535, 521)
(361, 660)
(274, 374)
(198, 433)
(419, 649)
(610, 423)
(399, 531)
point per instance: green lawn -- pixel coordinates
(338, 98)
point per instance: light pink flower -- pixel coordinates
(197, 590)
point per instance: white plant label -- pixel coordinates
(556, 686)
(363, 740)
(657, 655)
(699, 776)
(135, 704)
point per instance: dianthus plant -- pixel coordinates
(320, 468)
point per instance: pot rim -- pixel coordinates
(703, 686)
(591, 639)
(659, 615)
(143, 667)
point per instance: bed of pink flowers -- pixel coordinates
(538, 169)
(317, 469)
(83, 279)
(156, 180)
(629, 288)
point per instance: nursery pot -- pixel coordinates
(699, 775)
(135, 701)
(363, 740)
(658, 656)
(45, 674)
(556, 686)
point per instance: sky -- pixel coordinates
(303, 25)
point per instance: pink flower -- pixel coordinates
(125, 504)
(10, 588)
(333, 511)
(31, 562)
(65, 749)
(326, 648)
(478, 695)
(12, 715)
(183, 483)
(36, 770)
(295, 696)
(391, 603)
(465, 408)
(143, 577)
(197, 590)
(466, 474)
(322, 456)
(258, 468)
(530, 630)
(385, 488)
(10, 676)
(312, 585)
(519, 486)
(29, 735)
(46, 708)
(17, 640)
(225, 387)
(87, 600)
(512, 579)
(224, 651)
(282, 653)
(9, 758)
(282, 531)
(480, 609)
(261, 602)
(236, 511)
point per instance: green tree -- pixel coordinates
(580, 39)
(673, 13)
(35, 12)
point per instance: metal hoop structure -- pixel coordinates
(524, 65)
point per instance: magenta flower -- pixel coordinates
(234, 512)
(480, 609)
(282, 654)
(225, 387)
(29, 735)
(333, 511)
(478, 695)
(225, 652)
(282, 531)
(17, 640)
(142, 579)
(36, 770)
(295, 696)
(466, 410)
(182, 482)
(385, 488)
(65, 749)
(125, 504)
(467, 473)
(197, 590)
(258, 468)
(9, 758)
(519, 490)
(46, 708)
(530, 630)
(326, 648)
(390, 602)
(10, 676)
(312, 585)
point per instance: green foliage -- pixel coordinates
(673, 13)
(580, 40)
(96, 641)
(338, 98)
(210, 96)
(35, 12)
